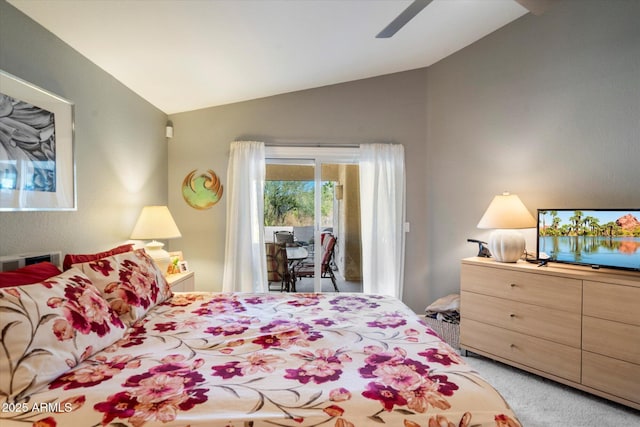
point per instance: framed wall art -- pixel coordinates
(37, 166)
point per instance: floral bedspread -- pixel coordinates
(239, 360)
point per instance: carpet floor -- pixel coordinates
(539, 402)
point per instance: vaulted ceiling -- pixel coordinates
(183, 55)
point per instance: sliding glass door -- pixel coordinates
(312, 197)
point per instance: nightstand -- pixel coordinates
(182, 282)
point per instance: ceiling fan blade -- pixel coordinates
(407, 15)
(537, 7)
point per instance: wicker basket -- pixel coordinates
(449, 332)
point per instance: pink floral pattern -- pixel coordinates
(48, 328)
(130, 282)
(278, 359)
(85, 311)
(158, 394)
(321, 366)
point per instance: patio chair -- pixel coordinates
(283, 237)
(307, 268)
(278, 267)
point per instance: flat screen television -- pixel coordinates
(607, 238)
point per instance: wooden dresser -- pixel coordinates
(575, 325)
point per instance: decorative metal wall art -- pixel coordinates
(201, 191)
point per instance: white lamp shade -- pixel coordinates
(507, 211)
(155, 222)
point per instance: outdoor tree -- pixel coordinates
(292, 202)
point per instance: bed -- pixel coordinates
(138, 355)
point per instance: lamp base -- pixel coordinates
(159, 255)
(506, 245)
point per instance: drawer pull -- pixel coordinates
(512, 315)
(513, 285)
(512, 346)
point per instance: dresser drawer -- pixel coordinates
(612, 302)
(613, 376)
(546, 290)
(547, 323)
(615, 339)
(556, 359)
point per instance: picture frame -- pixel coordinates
(37, 148)
(183, 266)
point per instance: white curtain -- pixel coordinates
(382, 203)
(245, 265)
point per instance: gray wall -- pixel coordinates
(547, 108)
(388, 108)
(120, 148)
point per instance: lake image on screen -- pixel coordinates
(603, 238)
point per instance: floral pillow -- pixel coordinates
(130, 282)
(48, 328)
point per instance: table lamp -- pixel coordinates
(505, 214)
(156, 222)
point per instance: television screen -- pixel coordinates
(596, 237)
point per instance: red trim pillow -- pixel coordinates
(50, 327)
(33, 273)
(131, 282)
(70, 259)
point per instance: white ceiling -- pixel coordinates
(183, 55)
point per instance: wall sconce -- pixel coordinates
(169, 130)
(339, 191)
